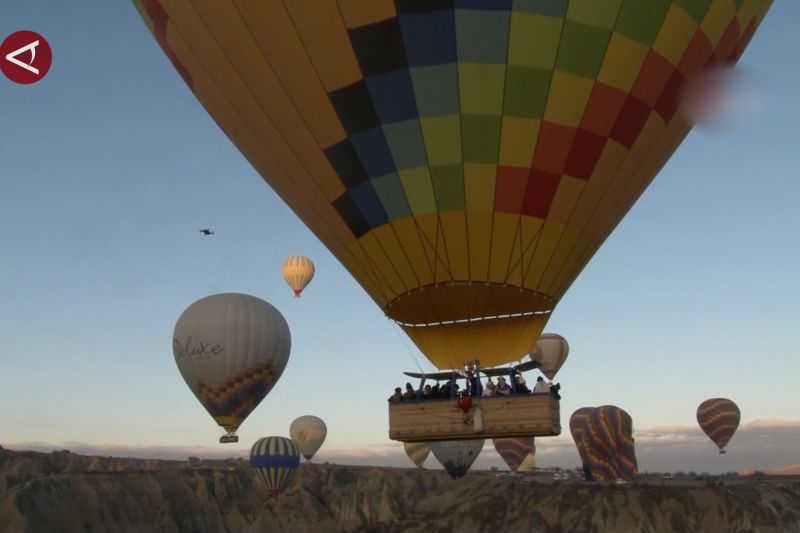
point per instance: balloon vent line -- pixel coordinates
(408, 349)
(469, 320)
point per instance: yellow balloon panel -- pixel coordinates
(438, 145)
(492, 342)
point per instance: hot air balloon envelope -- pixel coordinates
(275, 459)
(298, 271)
(417, 452)
(550, 351)
(457, 456)
(514, 451)
(231, 349)
(308, 432)
(463, 160)
(607, 441)
(719, 418)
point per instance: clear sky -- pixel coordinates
(109, 165)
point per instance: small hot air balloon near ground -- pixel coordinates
(231, 349)
(308, 432)
(719, 418)
(275, 459)
(607, 441)
(298, 272)
(456, 456)
(550, 351)
(514, 450)
(417, 452)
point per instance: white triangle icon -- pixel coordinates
(27, 66)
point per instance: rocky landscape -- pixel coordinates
(61, 491)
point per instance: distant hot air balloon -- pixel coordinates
(719, 418)
(463, 160)
(514, 450)
(529, 463)
(231, 349)
(607, 441)
(298, 272)
(550, 351)
(417, 452)
(308, 432)
(275, 459)
(456, 456)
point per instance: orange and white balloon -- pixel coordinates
(298, 271)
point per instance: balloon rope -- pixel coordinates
(395, 328)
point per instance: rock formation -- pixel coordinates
(62, 491)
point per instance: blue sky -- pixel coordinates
(109, 166)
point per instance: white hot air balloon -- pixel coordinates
(231, 349)
(550, 351)
(298, 271)
(308, 432)
(456, 456)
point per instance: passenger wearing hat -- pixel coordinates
(503, 388)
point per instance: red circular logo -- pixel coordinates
(25, 57)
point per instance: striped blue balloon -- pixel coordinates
(275, 459)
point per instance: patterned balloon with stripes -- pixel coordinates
(298, 271)
(608, 442)
(463, 159)
(417, 452)
(577, 423)
(719, 418)
(275, 459)
(514, 450)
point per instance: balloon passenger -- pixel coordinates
(554, 391)
(397, 397)
(541, 387)
(503, 388)
(490, 388)
(522, 387)
(473, 387)
(410, 393)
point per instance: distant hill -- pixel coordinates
(791, 470)
(61, 491)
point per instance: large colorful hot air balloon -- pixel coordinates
(464, 160)
(308, 432)
(456, 456)
(514, 450)
(298, 272)
(550, 351)
(231, 349)
(417, 452)
(719, 418)
(275, 459)
(607, 441)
